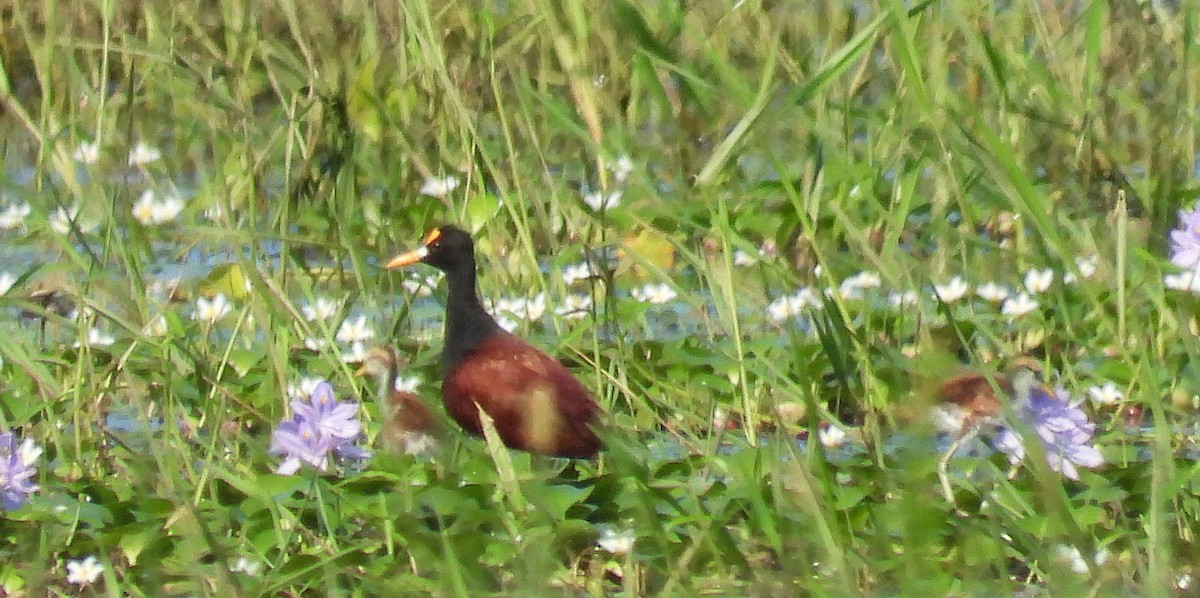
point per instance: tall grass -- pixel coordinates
(916, 140)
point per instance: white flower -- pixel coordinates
(853, 287)
(247, 566)
(321, 309)
(507, 323)
(904, 299)
(60, 221)
(6, 282)
(407, 384)
(598, 200)
(96, 338)
(355, 330)
(28, 453)
(953, 290)
(421, 286)
(1018, 306)
(304, 389)
(13, 215)
(213, 213)
(576, 273)
(1039, 281)
(1106, 394)
(831, 436)
(992, 292)
(315, 344)
(150, 210)
(622, 168)
(1072, 556)
(439, 187)
(87, 152)
(1183, 281)
(790, 306)
(157, 326)
(616, 543)
(574, 306)
(356, 354)
(743, 259)
(1086, 267)
(211, 310)
(143, 154)
(654, 293)
(84, 572)
(1184, 581)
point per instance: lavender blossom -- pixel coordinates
(1185, 240)
(16, 471)
(1063, 428)
(317, 427)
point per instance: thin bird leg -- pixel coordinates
(943, 466)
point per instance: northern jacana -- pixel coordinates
(534, 402)
(968, 402)
(407, 424)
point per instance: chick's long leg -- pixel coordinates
(943, 466)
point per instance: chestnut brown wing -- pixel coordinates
(409, 413)
(534, 402)
(974, 393)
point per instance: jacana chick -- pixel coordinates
(408, 426)
(968, 402)
(534, 402)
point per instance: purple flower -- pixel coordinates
(16, 471)
(1185, 240)
(318, 426)
(1063, 428)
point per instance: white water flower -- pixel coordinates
(84, 572)
(904, 299)
(790, 306)
(151, 210)
(621, 168)
(86, 152)
(574, 306)
(421, 286)
(853, 287)
(355, 330)
(356, 354)
(304, 388)
(439, 186)
(96, 338)
(616, 543)
(1039, 281)
(315, 344)
(1183, 281)
(507, 323)
(1106, 394)
(599, 200)
(654, 293)
(157, 326)
(13, 215)
(6, 282)
(211, 310)
(953, 290)
(320, 309)
(992, 292)
(407, 384)
(1072, 556)
(1018, 306)
(60, 221)
(1086, 267)
(143, 154)
(247, 566)
(742, 259)
(831, 436)
(576, 272)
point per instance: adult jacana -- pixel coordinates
(968, 402)
(534, 402)
(408, 426)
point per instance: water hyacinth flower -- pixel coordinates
(84, 572)
(1039, 281)
(992, 292)
(1018, 306)
(151, 210)
(13, 215)
(211, 310)
(321, 309)
(953, 290)
(439, 186)
(355, 330)
(318, 427)
(1185, 240)
(143, 154)
(6, 282)
(654, 293)
(1062, 427)
(17, 470)
(599, 200)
